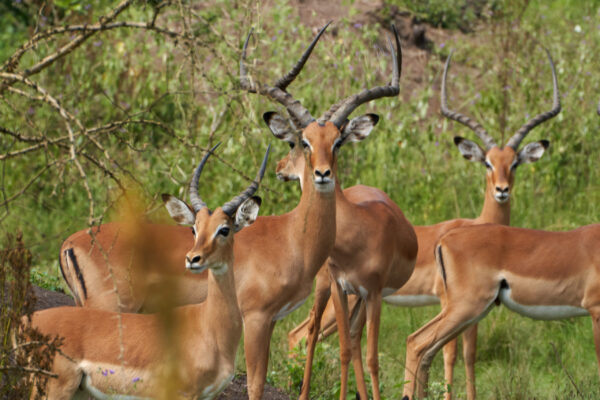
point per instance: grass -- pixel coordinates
(499, 75)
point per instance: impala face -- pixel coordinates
(501, 163)
(213, 232)
(317, 147)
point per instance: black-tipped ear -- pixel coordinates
(374, 118)
(268, 115)
(257, 200)
(469, 150)
(179, 210)
(279, 126)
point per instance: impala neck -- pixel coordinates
(494, 212)
(222, 307)
(316, 223)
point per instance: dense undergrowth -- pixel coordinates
(500, 75)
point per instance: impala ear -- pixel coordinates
(469, 150)
(179, 210)
(246, 213)
(532, 152)
(280, 126)
(359, 128)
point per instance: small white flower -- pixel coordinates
(577, 29)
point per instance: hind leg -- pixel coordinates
(357, 323)
(67, 384)
(595, 314)
(469, 353)
(422, 345)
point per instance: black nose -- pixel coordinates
(502, 190)
(193, 260)
(322, 174)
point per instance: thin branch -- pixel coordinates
(29, 369)
(13, 62)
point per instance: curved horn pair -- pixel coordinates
(231, 206)
(481, 132)
(300, 115)
(338, 113)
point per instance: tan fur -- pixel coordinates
(276, 259)
(422, 281)
(534, 265)
(125, 353)
(375, 247)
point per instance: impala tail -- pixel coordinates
(71, 273)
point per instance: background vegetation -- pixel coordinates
(143, 102)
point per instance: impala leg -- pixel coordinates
(449, 361)
(322, 294)
(469, 353)
(66, 385)
(328, 323)
(373, 322)
(595, 314)
(357, 323)
(422, 345)
(257, 338)
(341, 316)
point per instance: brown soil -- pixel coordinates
(238, 390)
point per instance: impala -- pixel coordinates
(375, 250)
(539, 274)
(421, 290)
(277, 257)
(106, 353)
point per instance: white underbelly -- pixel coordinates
(540, 311)
(416, 300)
(287, 309)
(349, 288)
(89, 389)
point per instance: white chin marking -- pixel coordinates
(325, 187)
(548, 312)
(219, 269)
(411, 300)
(501, 199)
(195, 268)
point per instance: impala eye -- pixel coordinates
(305, 144)
(292, 145)
(224, 231)
(193, 230)
(488, 165)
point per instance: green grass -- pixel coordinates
(499, 75)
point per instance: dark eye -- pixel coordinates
(488, 165)
(224, 231)
(305, 144)
(292, 145)
(193, 230)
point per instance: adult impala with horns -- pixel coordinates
(107, 354)
(421, 289)
(375, 250)
(276, 258)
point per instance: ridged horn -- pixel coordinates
(195, 201)
(231, 206)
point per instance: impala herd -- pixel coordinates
(356, 242)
